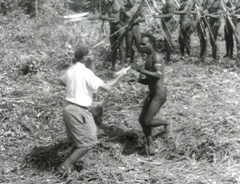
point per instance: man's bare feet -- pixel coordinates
(182, 57)
(63, 170)
(167, 131)
(150, 148)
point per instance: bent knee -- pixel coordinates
(145, 122)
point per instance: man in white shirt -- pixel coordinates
(81, 83)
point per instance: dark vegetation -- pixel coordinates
(203, 106)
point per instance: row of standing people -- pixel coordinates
(200, 15)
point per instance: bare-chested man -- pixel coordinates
(228, 33)
(201, 27)
(168, 24)
(153, 69)
(134, 34)
(112, 9)
(236, 21)
(215, 23)
(186, 25)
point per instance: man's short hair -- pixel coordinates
(149, 36)
(81, 51)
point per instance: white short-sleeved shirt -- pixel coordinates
(81, 83)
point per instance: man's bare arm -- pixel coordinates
(186, 9)
(109, 85)
(171, 10)
(158, 66)
(62, 80)
(122, 15)
(216, 15)
(61, 83)
(143, 81)
(104, 15)
(141, 18)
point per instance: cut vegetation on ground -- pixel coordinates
(202, 105)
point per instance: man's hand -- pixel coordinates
(128, 27)
(140, 68)
(228, 14)
(115, 21)
(122, 72)
(204, 12)
(156, 15)
(139, 65)
(137, 20)
(125, 70)
(195, 12)
(232, 14)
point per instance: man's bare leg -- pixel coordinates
(147, 131)
(73, 158)
(214, 29)
(113, 39)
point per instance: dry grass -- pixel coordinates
(202, 104)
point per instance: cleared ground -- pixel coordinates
(202, 104)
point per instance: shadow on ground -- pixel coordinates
(48, 157)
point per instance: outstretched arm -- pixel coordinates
(104, 15)
(62, 80)
(109, 85)
(171, 10)
(220, 8)
(169, 15)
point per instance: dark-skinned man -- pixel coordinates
(236, 21)
(214, 23)
(111, 13)
(153, 69)
(201, 28)
(134, 34)
(168, 24)
(228, 33)
(186, 28)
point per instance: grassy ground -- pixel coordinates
(202, 104)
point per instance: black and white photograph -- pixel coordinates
(120, 91)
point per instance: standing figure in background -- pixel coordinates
(111, 13)
(201, 28)
(3, 8)
(186, 21)
(134, 34)
(168, 24)
(215, 24)
(228, 33)
(236, 21)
